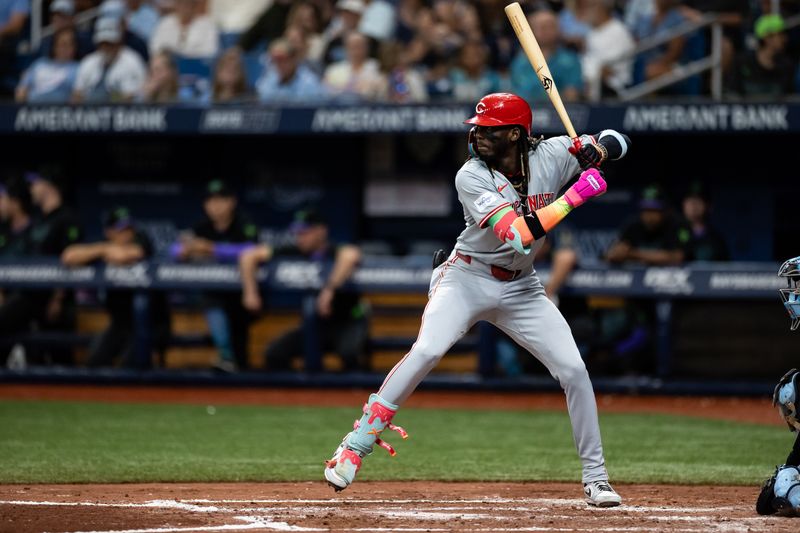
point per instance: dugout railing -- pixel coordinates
(665, 286)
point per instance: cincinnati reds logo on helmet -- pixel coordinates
(502, 109)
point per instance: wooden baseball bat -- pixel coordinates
(531, 47)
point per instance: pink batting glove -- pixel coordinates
(589, 185)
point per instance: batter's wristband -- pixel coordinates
(603, 152)
(535, 226)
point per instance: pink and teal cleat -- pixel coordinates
(341, 469)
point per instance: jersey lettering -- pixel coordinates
(540, 200)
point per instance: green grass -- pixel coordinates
(60, 442)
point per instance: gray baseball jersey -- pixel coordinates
(483, 193)
(463, 291)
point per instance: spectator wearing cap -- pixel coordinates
(706, 243)
(220, 236)
(114, 72)
(654, 237)
(142, 18)
(124, 245)
(118, 10)
(51, 79)
(767, 71)
(285, 79)
(187, 32)
(55, 227)
(340, 314)
(62, 16)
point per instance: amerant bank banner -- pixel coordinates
(365, 119)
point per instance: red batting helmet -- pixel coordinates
(502, 109)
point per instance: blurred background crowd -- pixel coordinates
(402, 51)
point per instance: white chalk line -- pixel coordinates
(545, 504)
(483, 501)
(432, 514)
(252, 523)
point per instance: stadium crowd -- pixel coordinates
(400, 51)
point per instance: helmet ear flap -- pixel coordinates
(472, 144)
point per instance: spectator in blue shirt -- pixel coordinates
(472, 78)
(50, 79)
(285, 80)
(565, 66)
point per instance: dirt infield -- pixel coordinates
(419, 506)
(382, 506)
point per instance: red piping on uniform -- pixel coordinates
(495, 210)
(422, 322)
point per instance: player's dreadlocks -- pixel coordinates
(525, 144)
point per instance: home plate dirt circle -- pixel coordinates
(374, 506)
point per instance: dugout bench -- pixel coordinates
(387, 276)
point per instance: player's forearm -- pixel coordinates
(81, 254)
(521, 232)
(248, 266)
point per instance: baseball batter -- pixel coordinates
(508, 191)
